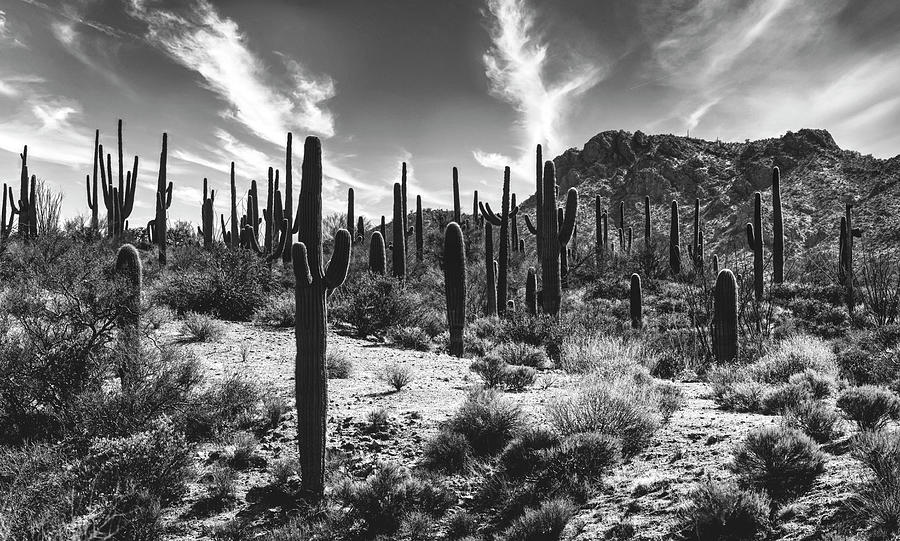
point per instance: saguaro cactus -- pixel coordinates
(91, 186)
(405, 218)
(457, 209)
(398, 255)
(360, 230)
(845, 256)
(554, 236)
(531, 291)
(489, 263)
(514, 225)
(156, 229)
(288, 209)
(6, 226)
(539, 200)
(313, 285)
(119, 201)
(694, 249)
(755, 241)
(502, 221)
(383, 228)
(674, 240)
(351, 222)
(777, 229)
(725, 317)
(637, 318)
(27, 201)
(377, 258)
(420, 231)
(476, 218)
(128, 270)
(234, 237)
(207, 215)
(455, 285)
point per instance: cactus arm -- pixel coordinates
(569, 217)
(751, 236)
(87, 184)
(168, 196)
(280, 243)
(530, 226)
(296, 228)
(302, 273)
(336, 270)
(151, 227)
(489, 214)
(513, 211)
(251, 241)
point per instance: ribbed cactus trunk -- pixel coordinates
(539, 198)
(457, 208)
(715, 264)
(313, 284)
(234, 236)
(725, 317)
(6, 227)
(646, 221)
(554, 237)
(777, 229)
(351, 221)
(674, 241)
(475, 212)
(405, 218)
(207, 216)
(636, 304)
(288, 200)
(531, 291)
(420, 231)
(163, 202)
(383, 228)
(360, 230)
(455, 286)
(377, 254)
(755, 241)
(845, 271)
(91, 185)
(25, 209)
(398, 254)
(489, 263)
(502, 221)
(514, 226)
(128, 271)
(563, 252)
(695, 238)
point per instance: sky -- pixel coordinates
(436, 83)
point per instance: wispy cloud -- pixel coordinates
(516, 67)
(203, 41)
(45, 124)
(90, 54)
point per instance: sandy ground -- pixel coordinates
(638, 501)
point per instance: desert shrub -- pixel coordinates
(792, 356)
(389, 495)
(274, 408)
(159, 460)
(815, 419)
(723, 511)
(820, 318)
(461, 525)
(782, 461)
(157, 316)
(36, 493)
(539, 331)
(220, 407)
(619, 408)
(416, 526)
(378, 420)
(490, 368)
(201, 328)
(410, 338)
(396, 375)
(283, 469)
(670, 399)
(487, 420)
(778, 398)
(870, 406)
(447, 452)
(818, 385)
(605, 356)
(132, 513)
(229, 284)
(522, 354)
(372, 304)
(518, 378)
(524, 454)
(586, 456)
(220, 485)
(878, 500)
(277, 311)
(732, 389)
(338, 364)
(241, 447)
(545, 523)
(870, 357)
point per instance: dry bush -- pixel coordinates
(723, 511)
(782, 461)
(817, 420)
(487, 420)
(396, 375)
(545, 523)
(793, 356)
(338, 364)
(869, 405)
(447, 452)
(878, 500)
(603, 355)
(202, 328)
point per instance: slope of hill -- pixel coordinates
(818, 178)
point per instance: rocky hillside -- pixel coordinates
(818, 178)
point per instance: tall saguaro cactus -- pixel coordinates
(725, 317)
(420, 231)
(27, 209)
(674, 240)
(777, 229)
(489, 263)
(502, 221)
(288, 209)
(398, 254)
(91, 186)
(313, 285)
(845, 256)
(128, 270)
(207, 215)
(351, 222)
(514, 225)
(635, 305)
(539, 200)
(755, 241)
(360, 230)
(234, 238)
(457, 209)
(6, 226)
(531, 291)
(695, 247)
(475, 212)
(157, 226)
(377, 258)
(119, 201)
(405, 218)
(554, 236)
(455, 285)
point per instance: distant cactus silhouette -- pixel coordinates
(554, 237)
(91, 186)
(313, 283)
(288, 200)
(457, 208)
(777, 229)
(489, 266)
(636, 306)
(695, 246)
(377, 254)
(404, 221)
(755, 241)
(539, 200)
(514, 225)
(351, 222)
(476, 214)
(119, 201)
(360, 230)
(383, 228)
(233, 238)
(674, 241)
(502, 221)
(725, 317)
(531, 291)
(398, 250)
(715, 264)
(128, 270)
(845, 256)
(6, 226)
(157, 227)
(420, 231)
(207, 216)
(455, 286)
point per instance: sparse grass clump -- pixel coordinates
(495, 372)
(545, 523)
(522, 354)
(202, 328)
(778, 398)
(220, 485)
(607, 357)
(241, 449)
(870, 406)
(378, 420)
(275, 407)
(792, 356)
(447, 452)
(338, 364)
(878, 501)
(487, 420)
(410, 338)
(782, 461)
(817, 420)
(396, 375)
(723, 511)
